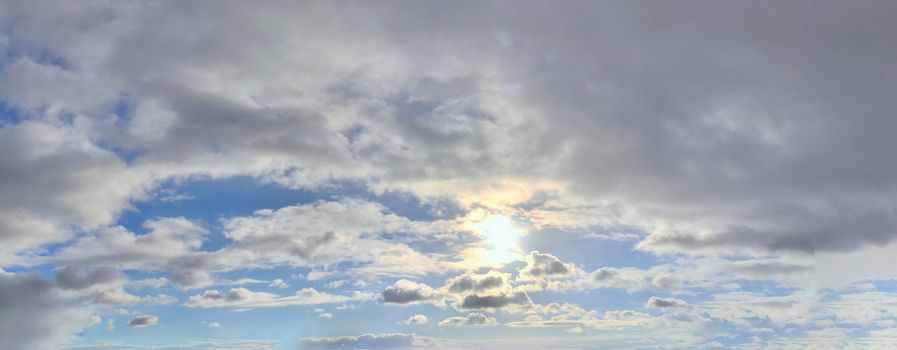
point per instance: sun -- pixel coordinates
(499, 233)
(500, 243)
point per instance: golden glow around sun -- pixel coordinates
(500, 240)
(499, 232)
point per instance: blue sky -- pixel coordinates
(447, 175)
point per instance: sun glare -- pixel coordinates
(501, 239)
(499, 232)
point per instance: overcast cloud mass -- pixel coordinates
(448, 174)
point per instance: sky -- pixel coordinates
(448, 174)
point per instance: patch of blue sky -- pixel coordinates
(589, 253)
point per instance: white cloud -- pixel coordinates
(279, 283)
(365, 341)
(472, 319)
(245, 298)
(416, 320)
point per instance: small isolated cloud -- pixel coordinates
(416, 319)
(473, 319)
(325, 315)
(214, 325)
(110, 325)
(405, 292)
(662, 303)
(365, 341)
(279, 283)
(143, 321)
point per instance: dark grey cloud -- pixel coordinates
(143, 321)
(365, 341)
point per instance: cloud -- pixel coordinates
(245, 298)
(472, 319)
(476, 282)
(416, 320)
(663, 303)
(704, 134)
(324, 232)
(543, 265)
(405, 291)
(72, 277)
(279, 283)
(35, 316)
(496, 301)
(142, 321)
(216, 344)
(365, 341)
(56, 180)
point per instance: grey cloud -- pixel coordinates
(765, 268)
(365, 341)
(662, 303)
(143, 321)
(702, 131)
(35, 316)
(467, 282)
(73, 277)
(546, 265)
(498, 301)
(405, 291)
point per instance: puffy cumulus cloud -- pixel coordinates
(543, 265)
(472, 319)
(279, 283)
(405, 292)
(142, 321)
(35, 316)
(365, 341)
(495, 301)
(416, 320)
(665, 303)
(248, 299)
(472, 282)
